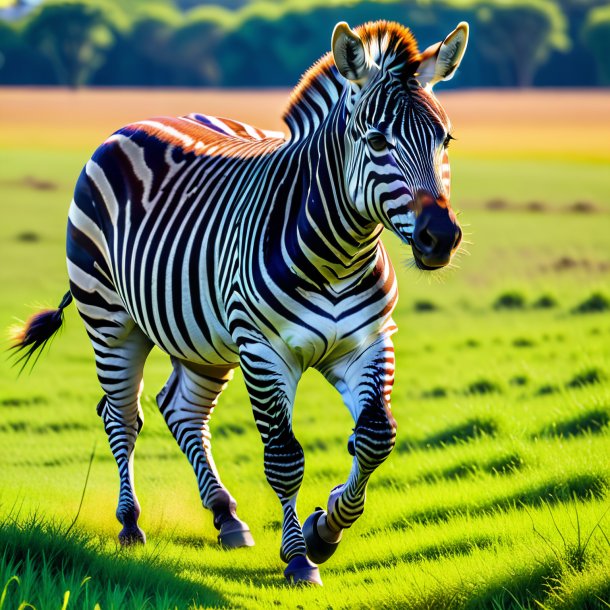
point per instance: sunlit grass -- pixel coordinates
(495, 497)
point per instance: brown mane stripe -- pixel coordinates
(395, 44)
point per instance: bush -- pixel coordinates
(523, 342)
(510, 300)
(587, 377)
(545, 390)
(436, 392)
(423, 306)
(597, 302)
(519, 380)
(483, 386)
(546, 301)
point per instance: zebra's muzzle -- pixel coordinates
(436, 236)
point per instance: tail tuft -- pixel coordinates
(38, 329)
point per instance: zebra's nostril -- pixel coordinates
(426, 239)
(458, 238)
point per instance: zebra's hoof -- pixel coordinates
(132, 536)
(318, 549)
(235, 534)
(300, 571)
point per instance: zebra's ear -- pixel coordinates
(441, 60)
(350, 55)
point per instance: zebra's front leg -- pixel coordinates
(365, 382)
(187, 402)
(271, 383)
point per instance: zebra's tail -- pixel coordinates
(31, 338)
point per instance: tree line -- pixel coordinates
(102, 42)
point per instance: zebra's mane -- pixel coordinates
(391, 46)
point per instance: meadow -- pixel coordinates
(497, 495)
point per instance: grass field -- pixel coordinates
(497, 495)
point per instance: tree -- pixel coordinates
(194, 48)
(74, 35)
(596, 37)
(141, 55)
(20, 64)
(518, 36)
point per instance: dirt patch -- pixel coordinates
(28, 237)
(536, 206)
(502, 205)
(32, 182)
(568, 263)
(497, 204)
(583, 207)
(39, 184)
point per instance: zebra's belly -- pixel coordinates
(188, 330)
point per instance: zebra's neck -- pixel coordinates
(318, 93)
(326, 241)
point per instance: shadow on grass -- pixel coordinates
(324, 444)
(594, 421)
(27, 427)
(502, 465)
(583, 486)
(471, 429)
(527, 588)
(227, 430)
(431, 552)
(50, 552)
(21, 402)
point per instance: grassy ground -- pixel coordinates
(497, 493)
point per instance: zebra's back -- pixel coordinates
(145, 223)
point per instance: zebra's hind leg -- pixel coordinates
(119, 369)
(187, 402)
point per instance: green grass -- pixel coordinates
(558, 181)
(495, 497)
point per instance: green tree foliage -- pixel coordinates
(195, 48)
(271, 42)
(142, 54)
(19, 63)
(518, 36)
(596, 36)
(74, 36)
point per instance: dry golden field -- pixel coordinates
(497, 123)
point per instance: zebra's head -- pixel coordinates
(396, 165)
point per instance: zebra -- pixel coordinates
(226, 245)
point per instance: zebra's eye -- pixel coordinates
(377, 141)
(448, 140)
